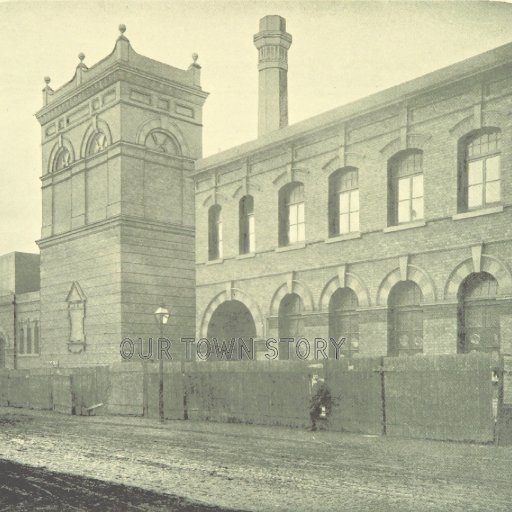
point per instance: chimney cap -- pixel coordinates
(273, 22)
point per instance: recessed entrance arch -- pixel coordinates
(231, 319)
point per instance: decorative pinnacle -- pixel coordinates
(47, 80)
(195, 56)
(81, 56)
(122, 28)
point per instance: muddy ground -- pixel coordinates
(246, 467)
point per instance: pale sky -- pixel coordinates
(341, 51)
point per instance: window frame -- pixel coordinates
(247, 228)
(215, 234)
(343, 182)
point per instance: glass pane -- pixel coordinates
(475, 172)
(301, 228)
(492, 192)
(252, 242)
(251, 223)
(417, 208)
(475, 196)
(220, 249)
(344, 223)
(404, 211)
(219, 231)
(292, 234)
(404, 189)
(354, 200)
(300, 212)
(354, 221)
(292, 214)
(417, 186)
(492, 168)
(344, 202)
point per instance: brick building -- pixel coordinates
(386, 221)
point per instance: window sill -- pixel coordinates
(28, 355)
(215, 262)
(408, 225)
(478, 213)
(291, 247)
(340, 238)
(245, 256)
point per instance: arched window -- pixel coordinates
(97, 143)
(291, 322)
(246, 225)
(62, 160)
(21, 339)
(215, 232)
(479, 170)
(163, 142)
(343, 201)
(478, 318)
(405, 319)
(291, 214)
(344, 321)
(28, 347)
(2, 351)
(405, 187)
(36, 337)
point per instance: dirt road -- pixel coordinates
(260, 468)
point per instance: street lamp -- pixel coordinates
(162, 317)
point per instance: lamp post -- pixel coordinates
(162, 317)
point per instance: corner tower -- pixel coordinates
(272, 42)
(119, 142)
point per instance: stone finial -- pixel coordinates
(195, 70)
(47, 91)
(122, 30)
(81, 56)
(194, 64)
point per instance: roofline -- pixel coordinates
(398, 93)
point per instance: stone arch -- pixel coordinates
(485, 119)
(233, 294)
(353, 282)
(212, 199)
(165, 124)
(98, 126)
(293, 174)
(414, 140)
(414, 274)
(297, 287)
(62, 142)
(489, 264)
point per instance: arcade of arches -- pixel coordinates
(477, 324)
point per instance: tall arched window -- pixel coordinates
(479, 170)
(405, 187)
(246, 225)
(343, 201)
(36, 337)
(291, 323)
(28, 347)
(215, 232)
(2, 351)
(405, 319)
(344, 321)
(62, 160)
(21, 339)
(479, 319)
(291, 214)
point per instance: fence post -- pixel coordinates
(145, 389)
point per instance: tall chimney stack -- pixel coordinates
(272, 42)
